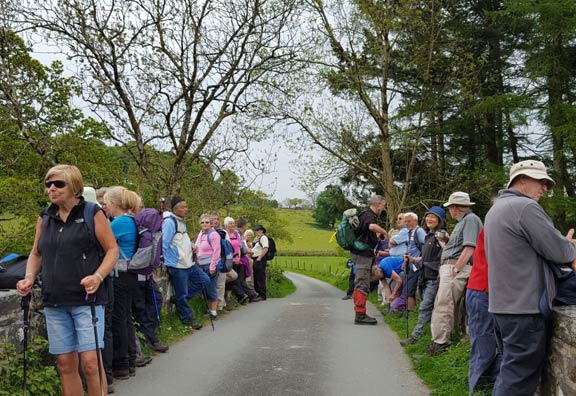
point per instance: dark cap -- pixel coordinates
(175, 201)
(259, 227)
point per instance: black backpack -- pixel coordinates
(12, 269)
(271, 249)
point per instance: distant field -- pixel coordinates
(309, 238)
(319, 264)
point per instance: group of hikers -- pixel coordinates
(97, 251)
(503, 267)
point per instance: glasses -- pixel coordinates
(204, 222)
(56, 183)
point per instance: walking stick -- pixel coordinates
(407, 272)
(25, 304)
(155, 304)
(205, 298)
(94, 322)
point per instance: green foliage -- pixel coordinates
(41, 378)
(329, 206)
(277, 285)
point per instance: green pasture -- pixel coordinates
(308, 238)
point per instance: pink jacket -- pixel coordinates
(208, 252)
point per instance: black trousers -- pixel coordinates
(522, 340)
(125, 287)
(260, 278)
(244, 286)
(108, 351)
(146, 308)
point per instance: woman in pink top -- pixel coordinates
(235, 286)
(207, 249)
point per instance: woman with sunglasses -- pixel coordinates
(207, 248)
(69, 255)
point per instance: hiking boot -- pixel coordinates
(256, 299)
(347, 297)
(363, 319)
(408, 341)
(110, 388)
(213, 317)
(437, 349)
(192, 323)
(156, 346)
(122, 374)
(243, 300)
(142, 360)
(132, 371)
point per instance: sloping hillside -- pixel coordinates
(309, 238)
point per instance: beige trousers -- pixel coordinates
(450, 291)
(221, 286)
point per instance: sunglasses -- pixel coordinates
(56, 183)
(204, 222)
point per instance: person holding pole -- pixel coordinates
(74, 260)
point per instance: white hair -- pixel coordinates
(228, 220)
(411, 214)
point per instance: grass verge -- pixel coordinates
(445, 374)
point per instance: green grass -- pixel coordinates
(308, 237)
(445, 374)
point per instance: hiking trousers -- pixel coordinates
(450, 291)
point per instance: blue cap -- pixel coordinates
(438, 212)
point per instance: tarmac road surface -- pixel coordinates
(304, 344)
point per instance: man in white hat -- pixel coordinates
(521, 242)
(455, 267)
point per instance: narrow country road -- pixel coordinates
(305, 344)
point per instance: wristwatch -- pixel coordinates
(455, 270)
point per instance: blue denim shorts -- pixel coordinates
(70, 328)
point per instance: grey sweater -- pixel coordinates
(520, 238)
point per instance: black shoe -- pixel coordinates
(132, 371)
(437, 349)
(156, 346)
(347, 297)
(110, 388)
(256, 299)
(363, 319)
(192, 323)
(122, 374)
(243, 300)
(142, 360)
(408, 341)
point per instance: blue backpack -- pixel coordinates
(226, 251)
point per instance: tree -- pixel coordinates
(173, 74)
(329, 206)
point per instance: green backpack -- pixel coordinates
(346, 232)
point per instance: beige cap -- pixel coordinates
(531, 168)
(459, 198)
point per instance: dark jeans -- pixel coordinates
(522, 340)
(246, 289)
(351, 277)
(125, 287)
(485, 358)
(235, 286)
(187, 282)
(260, 278)
(146, 307)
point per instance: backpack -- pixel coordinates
(12, 269)
(146, 258)
(346, 232)
(271, 249)
(226, 251)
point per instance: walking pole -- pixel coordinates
(25, 304)
(94, 321)
(205, 298)
(155, 304)
(407, 272)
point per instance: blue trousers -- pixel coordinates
(485, 358)
(187, 282)
(426, 306)
(522, 340)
